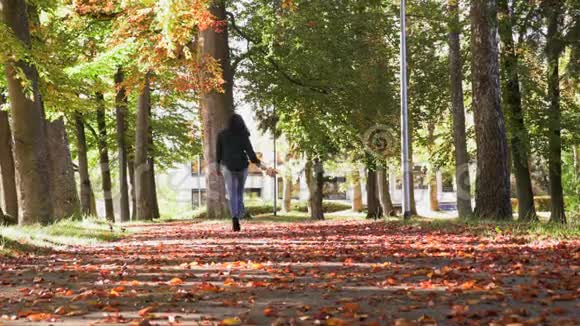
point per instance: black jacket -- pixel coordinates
(234, 150)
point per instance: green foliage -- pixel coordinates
(325, 66)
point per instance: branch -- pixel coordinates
(286, 75)
(92, 130)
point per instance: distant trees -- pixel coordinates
(333, 85)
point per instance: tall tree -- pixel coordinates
(383, 192)
(432, 173)
(373, 205)
(28, 125)
(216, 108)
(492, 199)
(145, 208)
(317, 212)
(151, 161)
(288, 186)
(153, 189)
(7, 171)
(458, 112)
(357, 204)
(121, 119)
(131, 169)
(65, 197)
(86, 193)
(519, 137)
(553, 11)
(104, 158)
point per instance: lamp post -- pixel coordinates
(405, 120)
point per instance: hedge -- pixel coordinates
(259, 209)
(542, 203)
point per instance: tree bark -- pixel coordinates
(104, 158)
(411, 169)
(432, 174)
(554, 47)
(317, 207)
(433, 198)
(8, 176)
(151, 160)
(463, 183)
(216, 109)
(492, 186)
(153, 189)
(87, 195)
(357, 202)
(65, 197)
(373, 205)
(145, 208)
(519, 138)
(383, 191)
(576, 153)
(287, 202)
(121, 118)
(28, 127)
(309, 183)
(131, 168)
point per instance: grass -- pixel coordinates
(492, 228)
(60, 234)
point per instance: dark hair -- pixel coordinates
(238, 126)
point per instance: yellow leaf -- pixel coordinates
(231, 322)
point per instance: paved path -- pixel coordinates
(325, 273)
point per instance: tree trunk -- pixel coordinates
(7, 176)
(357, 203)
(493, 185)
(576, 153)
(317, 207)
(519, 138)
(145, 208)
(87, 195)
(104, 158)
(28, 127)
(432, 174)
(463, 183)
(373, 205)
(131, 168)
(121, 117)
(433, 198)
(310, 183)
(287, 202)
(65, 197)
(153, 186)
(383, 191)
(553, 13)
(411, 169)
(216, 109)
(153, 189)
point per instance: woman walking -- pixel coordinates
(233, 151)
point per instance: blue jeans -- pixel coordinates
(235, 181)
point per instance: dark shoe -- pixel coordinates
(236, 223)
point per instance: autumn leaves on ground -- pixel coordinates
(302, 273)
